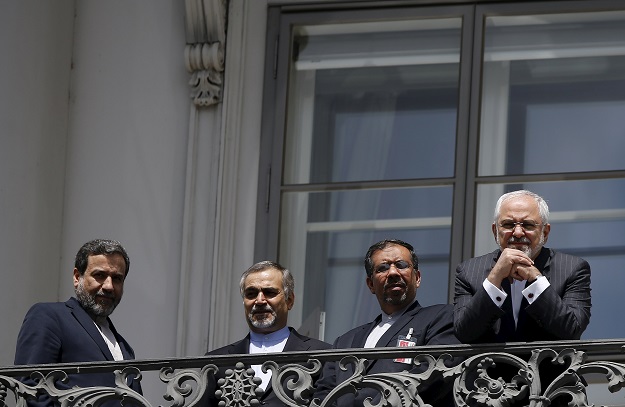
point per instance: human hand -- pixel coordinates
(508, 266)
(524, 273)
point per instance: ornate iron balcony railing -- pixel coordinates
(578, 363)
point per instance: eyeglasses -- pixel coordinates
(528, 226)
(399, 265)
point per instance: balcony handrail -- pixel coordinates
(609, 349)
(468, 376)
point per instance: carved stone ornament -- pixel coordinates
(204, 52)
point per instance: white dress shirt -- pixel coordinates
(518, 291)
(381, 328)
(110, 340)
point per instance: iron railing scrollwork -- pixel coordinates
(473, 374)
(75, 396)
(179, 390)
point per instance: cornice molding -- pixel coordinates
(204, 53)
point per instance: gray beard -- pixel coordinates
(87, 301)
(529, 252)
(263, 323)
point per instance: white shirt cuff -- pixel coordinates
(498, 296)
(533, 291)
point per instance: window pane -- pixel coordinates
(554, 87)
(373, 102)
(335, 229)
(587, 220)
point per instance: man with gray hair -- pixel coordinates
(522, 291)
(268, 295)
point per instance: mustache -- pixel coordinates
(259, 309)
(523, 240)
(105, 295)
(397, 283)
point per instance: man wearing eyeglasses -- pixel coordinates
(522, 291)
(393, 276)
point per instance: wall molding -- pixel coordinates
(238, 171)
(205, 25)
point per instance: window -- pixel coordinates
(553, 103)
(410, 122)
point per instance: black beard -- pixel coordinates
(392, 299)
(89, 304)
(395, 300)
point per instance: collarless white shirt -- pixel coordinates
(267, 343)
(381, 328)
(110, 340)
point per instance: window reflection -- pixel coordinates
(375, 105)
(373, 101)
(554, 87)
(367, 101)
(334, 230)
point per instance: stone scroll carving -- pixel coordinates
(204, 52)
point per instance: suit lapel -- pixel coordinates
(360, 337)
(389, 337)
(295, 342)
(543, 262)
(127, 352)
(241, 347)
(89, 326)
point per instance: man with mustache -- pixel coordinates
(393, 276)
(79, 330)
(268, 295)
(522, 291)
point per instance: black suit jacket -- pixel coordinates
(295, 342)
(561, 312)
(431, 325)
(63, 332)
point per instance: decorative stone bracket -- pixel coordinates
(204, 52)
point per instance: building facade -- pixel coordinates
(207, 135)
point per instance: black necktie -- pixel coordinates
(507, 332)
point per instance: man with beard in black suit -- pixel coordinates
(267, 289)
(393, 276)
